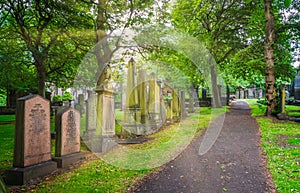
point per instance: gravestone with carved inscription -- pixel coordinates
(67, 144)
(32, 148)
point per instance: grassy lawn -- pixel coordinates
(7, 118)
(121, 168)
(281, 143)
(293, 108)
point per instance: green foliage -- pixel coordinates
(57, 98)
(67, 96)
(2, 99)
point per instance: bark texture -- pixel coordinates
(269, 54)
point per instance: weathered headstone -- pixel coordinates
(32, 149)
(105, 112)
(250, 93)
(167, 94)
(80, 105)
(105, 126)
(142, 95)
(91, 116)
(132, 111)
(182, 104)
(131, 91)
(67, 144)
(175, 105)
(154, 100)
(191, 102)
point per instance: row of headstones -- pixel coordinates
(148, 104)
(32, 145)
(242, 93)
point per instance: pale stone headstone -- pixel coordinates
(154, 98)
(105, 113)
(191, 101)
(175, 104)
(91, 116)
(80, 105)
(32, 149)
(182, 104)
(142, 95)
(131, 92)
(67, 145)
(251, 93)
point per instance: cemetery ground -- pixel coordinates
(280, 142)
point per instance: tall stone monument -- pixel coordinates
(175, 105)
(132, 111)
(182, 105)
(32, 149)
(105, 126)
(142, 95)
(67, 144)
(154, 99)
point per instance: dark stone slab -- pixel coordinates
(21, 176)
(65, 161)
(282, 116)
(133, 141)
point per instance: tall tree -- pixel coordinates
(219, 24)
(269, 54)
(44, 27)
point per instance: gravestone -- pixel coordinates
(105, 126)
(142, 95)
(154, 102)
(105, 112)
(191, 101)
(67, 144)
(80, 105)
(182, 105)
(91, 113)
(90, 138)
(132, 111)
(175, 105)
(167, 94)
(32, 148)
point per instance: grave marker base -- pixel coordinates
(66, 160)
(21, 176)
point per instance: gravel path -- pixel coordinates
(233, 164)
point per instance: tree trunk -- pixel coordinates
(41, 72)
(269, 54)
(215, 90)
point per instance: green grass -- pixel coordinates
(256, 108)
(293, 108)
(121, 168)
(283, 160)
(7, 118)
(7, 146)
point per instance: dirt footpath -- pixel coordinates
(233, 164)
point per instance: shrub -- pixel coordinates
(67, 96)
(57, 98)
